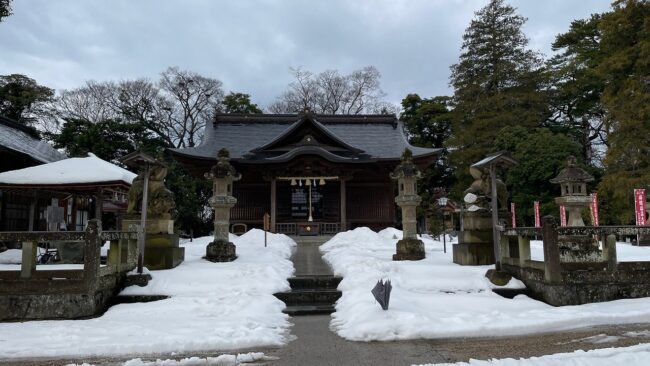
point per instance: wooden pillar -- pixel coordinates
(73, 219)
(495, 218)
(99, 201)
(343, 206)
(32, 213)
(3, 212)
(552, 268)
(273, 203)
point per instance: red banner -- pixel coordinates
(512, 211)
(639, 206)
(562, 215)
(595, 219)
(537, 220)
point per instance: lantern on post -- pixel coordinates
(406, 174)
(223, 175)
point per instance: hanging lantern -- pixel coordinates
(293, 181)
(300, 182)
(308, 182)
(322, 182)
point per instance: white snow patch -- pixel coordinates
(221, 360)
(90, 169)
(213, 306)
(435, 298)
(630, 356)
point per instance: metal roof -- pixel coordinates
(371, 137)
(25, 140)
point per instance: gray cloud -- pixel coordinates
(250, 45)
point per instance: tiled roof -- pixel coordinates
(379, 137)
(25, 140)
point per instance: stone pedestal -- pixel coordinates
(475, 246)
(161, 246)
(409, 250)
(220, 251)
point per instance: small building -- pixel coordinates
(20, 147)
(314, 174)
(83, 189)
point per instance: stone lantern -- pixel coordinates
(223, 175)
(573, 184)
(575, 248)
(407, 174)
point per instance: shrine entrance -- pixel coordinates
(308, 205)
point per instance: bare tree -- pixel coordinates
(190, 102)
(176, 108)
(329, 92)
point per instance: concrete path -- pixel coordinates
(307, 260)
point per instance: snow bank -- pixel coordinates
(222, 360)
(629, 356)
(213, 306)
(435, 298)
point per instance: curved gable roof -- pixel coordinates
(369, 137)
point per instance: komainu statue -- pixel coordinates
(479, 192)
(160, 199)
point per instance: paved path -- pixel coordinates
(307, 260)
(316, 345)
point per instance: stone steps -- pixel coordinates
(311, 295)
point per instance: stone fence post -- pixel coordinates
(609, 252)
(552, 268)
(524, 250)
(92, 252)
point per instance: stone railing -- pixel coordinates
(28, 280)
(574, 271)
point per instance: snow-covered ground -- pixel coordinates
(222, 360)
(629, 356)
(435, 298)
(625, 252)
(213, 306)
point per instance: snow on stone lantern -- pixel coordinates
(223, 175)
(573, 184)
(407, 174)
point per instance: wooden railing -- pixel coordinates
(324, 228)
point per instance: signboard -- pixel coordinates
(562, 215)
(639, 206)
(595, 219)
(537, 220)
(514, 217)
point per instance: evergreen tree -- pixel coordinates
(239, 103)
(427, 123)
(541, 155)
(575, 88)
(496, 84)
(625, 69)
(23, 99)
(5, 8)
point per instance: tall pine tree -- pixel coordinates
(496, 84)
(625, 69)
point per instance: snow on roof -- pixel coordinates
(86, 170)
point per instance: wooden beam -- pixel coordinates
(273, 203)
(343, 206)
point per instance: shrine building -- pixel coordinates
(313, 174)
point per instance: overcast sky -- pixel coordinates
(250, 45)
